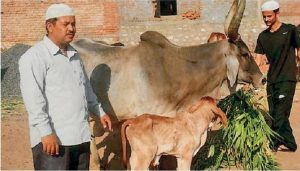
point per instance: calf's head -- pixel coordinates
(207, 107)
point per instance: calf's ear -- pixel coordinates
(232, 65)
(219, 113)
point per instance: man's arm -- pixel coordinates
(94, 106)
(32, 74)
(262, 62)
(259, 59)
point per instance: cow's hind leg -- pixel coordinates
(140, 161)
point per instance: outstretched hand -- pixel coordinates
(105, 121)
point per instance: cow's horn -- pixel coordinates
(230, 15)
(234, 23)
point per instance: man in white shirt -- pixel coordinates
(58, 96)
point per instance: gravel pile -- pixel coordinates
(10, 77)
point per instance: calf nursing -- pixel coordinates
(151, 136)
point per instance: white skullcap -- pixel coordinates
(269, 6)
(59, 10)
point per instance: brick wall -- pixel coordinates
(125, 20)
(23, 21)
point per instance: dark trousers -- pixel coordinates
(280, 100)
(75, 157)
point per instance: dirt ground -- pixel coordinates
(16, 152)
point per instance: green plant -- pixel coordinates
(10, 106)
(245, 142)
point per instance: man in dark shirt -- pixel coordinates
(279, 42)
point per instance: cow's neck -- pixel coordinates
(222, 90)
(197, 69)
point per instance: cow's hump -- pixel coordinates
(156, 38)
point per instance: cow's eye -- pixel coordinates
(246, 55)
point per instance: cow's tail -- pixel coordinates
(123, 136)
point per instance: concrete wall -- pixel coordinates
(190, 32)
(144, 10)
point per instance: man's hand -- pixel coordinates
(50, 144)
(105, 120)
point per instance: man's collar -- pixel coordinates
(54, 49)
(71, 51)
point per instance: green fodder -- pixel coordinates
(244, 144)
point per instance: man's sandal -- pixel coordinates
(283, 148)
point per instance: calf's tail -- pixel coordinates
(123, 136)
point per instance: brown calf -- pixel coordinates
(151, 136)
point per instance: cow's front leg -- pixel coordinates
(202, 142)
(184, 163)
(95, 159)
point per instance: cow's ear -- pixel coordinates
(232, 64)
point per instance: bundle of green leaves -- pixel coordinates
(244, 144)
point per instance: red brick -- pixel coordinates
(23, 21)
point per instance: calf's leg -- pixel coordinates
(140, 161)
(184, 163)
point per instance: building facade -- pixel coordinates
(184, 22)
